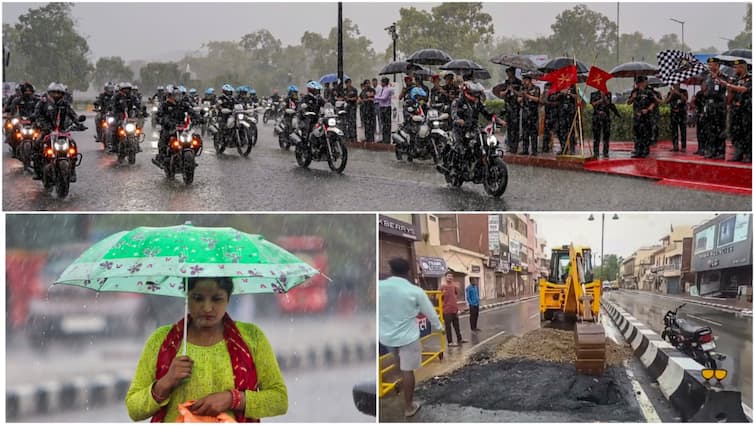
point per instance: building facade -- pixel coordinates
(667, 262)
(397, 234)
(722, 255)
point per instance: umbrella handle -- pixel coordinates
(186, 314)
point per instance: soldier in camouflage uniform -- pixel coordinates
(741, 112)
(643, 103)
(530, 105)
(715, 111)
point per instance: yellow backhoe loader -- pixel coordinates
(571, 293)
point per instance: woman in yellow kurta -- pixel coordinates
(229, 367)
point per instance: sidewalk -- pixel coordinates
(497, 302)
(723, 303)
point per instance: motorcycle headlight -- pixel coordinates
(14, 121)
(130, 128)
(331, 122)
(154, 109)
(240, 116)
(27, 131)
(185, 138)
(110, 120)
(492, 141)
(61, 145)
(436, 124)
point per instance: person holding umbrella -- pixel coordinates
(231, 366)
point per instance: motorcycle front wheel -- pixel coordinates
(218, 143)
(188, 167)
(496, 178)
(63, 184)
(170, 168)
(338, 155)
(283, 142)
(243, 145)
(134, 146)
(252, 135)
(266, 116)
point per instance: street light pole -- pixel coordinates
(680, 22)
(618, 34)
(602, 239)
(394, 37)
(340, 44)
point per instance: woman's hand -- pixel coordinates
(180, 368)
(213, 404)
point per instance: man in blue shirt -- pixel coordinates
(400, 303)
(473, 299)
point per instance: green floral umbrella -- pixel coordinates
(159, 260)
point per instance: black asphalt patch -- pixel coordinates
(519, 385)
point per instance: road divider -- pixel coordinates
(678, 376)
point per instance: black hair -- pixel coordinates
(224, 283)
(399, 266)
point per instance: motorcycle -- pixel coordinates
(285, 125)
(60, 157)
(130, 135)
(324, 143)
(476, 158)
(208, 112)
(153, 116)
(426, 139)
(238, 129)
(183, 148)
(24, 137)
(695, 341)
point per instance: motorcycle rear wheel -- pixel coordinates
(283, 142)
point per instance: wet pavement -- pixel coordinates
(270, 180)
(734, 331)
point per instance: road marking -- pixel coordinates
(748, 411)
(705, 320)
(648, 410)
(535, 315)
(488, 339)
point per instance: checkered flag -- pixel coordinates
(676, 66)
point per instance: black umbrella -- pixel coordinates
(423, 72)
(515, 61)
(462, 65)
(399, 67)
(481, 74)
(729, 60)
(634, 69)
(429, 57)
(558, 63)
(740, 53)
(654, 81)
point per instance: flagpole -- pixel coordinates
(579, 113)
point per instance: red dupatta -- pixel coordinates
(244, 370)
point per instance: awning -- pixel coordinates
(456, 266)
(432, 266)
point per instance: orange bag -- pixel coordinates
(185, 415)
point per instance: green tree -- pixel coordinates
(610, 269)
(580, 32)
(455, 28)
(111, 69)
(46, 47)
(744, 39)
(359, 58)
(156, 74)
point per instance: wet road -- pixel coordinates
(734, 332)
(270, 180)
(322, 395)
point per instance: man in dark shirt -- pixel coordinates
(601, 121)
(741, 112)
(551, 117)
(367, 111)
(643, 102)
(509, 92)
(677, 101)
(350, 95)
(530, 104)
(715, 111)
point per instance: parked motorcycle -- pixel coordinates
(324, 143)
(695, 341)
(184, 146)
(476, 158)
(237, 131)
(60, 157)
(285, 125)
(130, 135)
(424, 137)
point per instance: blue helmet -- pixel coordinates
(252, 91)
(209, 91)
(293, 89)
(416, 92)
(227, 88)
(182, 89)
(192, 91)
(314, 85)
(243, 89)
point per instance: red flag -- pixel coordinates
(597, 78)
(562, 78)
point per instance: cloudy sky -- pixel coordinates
(622, 236)
(155, 30)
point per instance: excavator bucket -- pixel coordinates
(590, 342)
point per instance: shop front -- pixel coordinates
(722, 258)
(431, 272)
(397, 234)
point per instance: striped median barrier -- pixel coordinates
(678, 376)
(105, 388)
